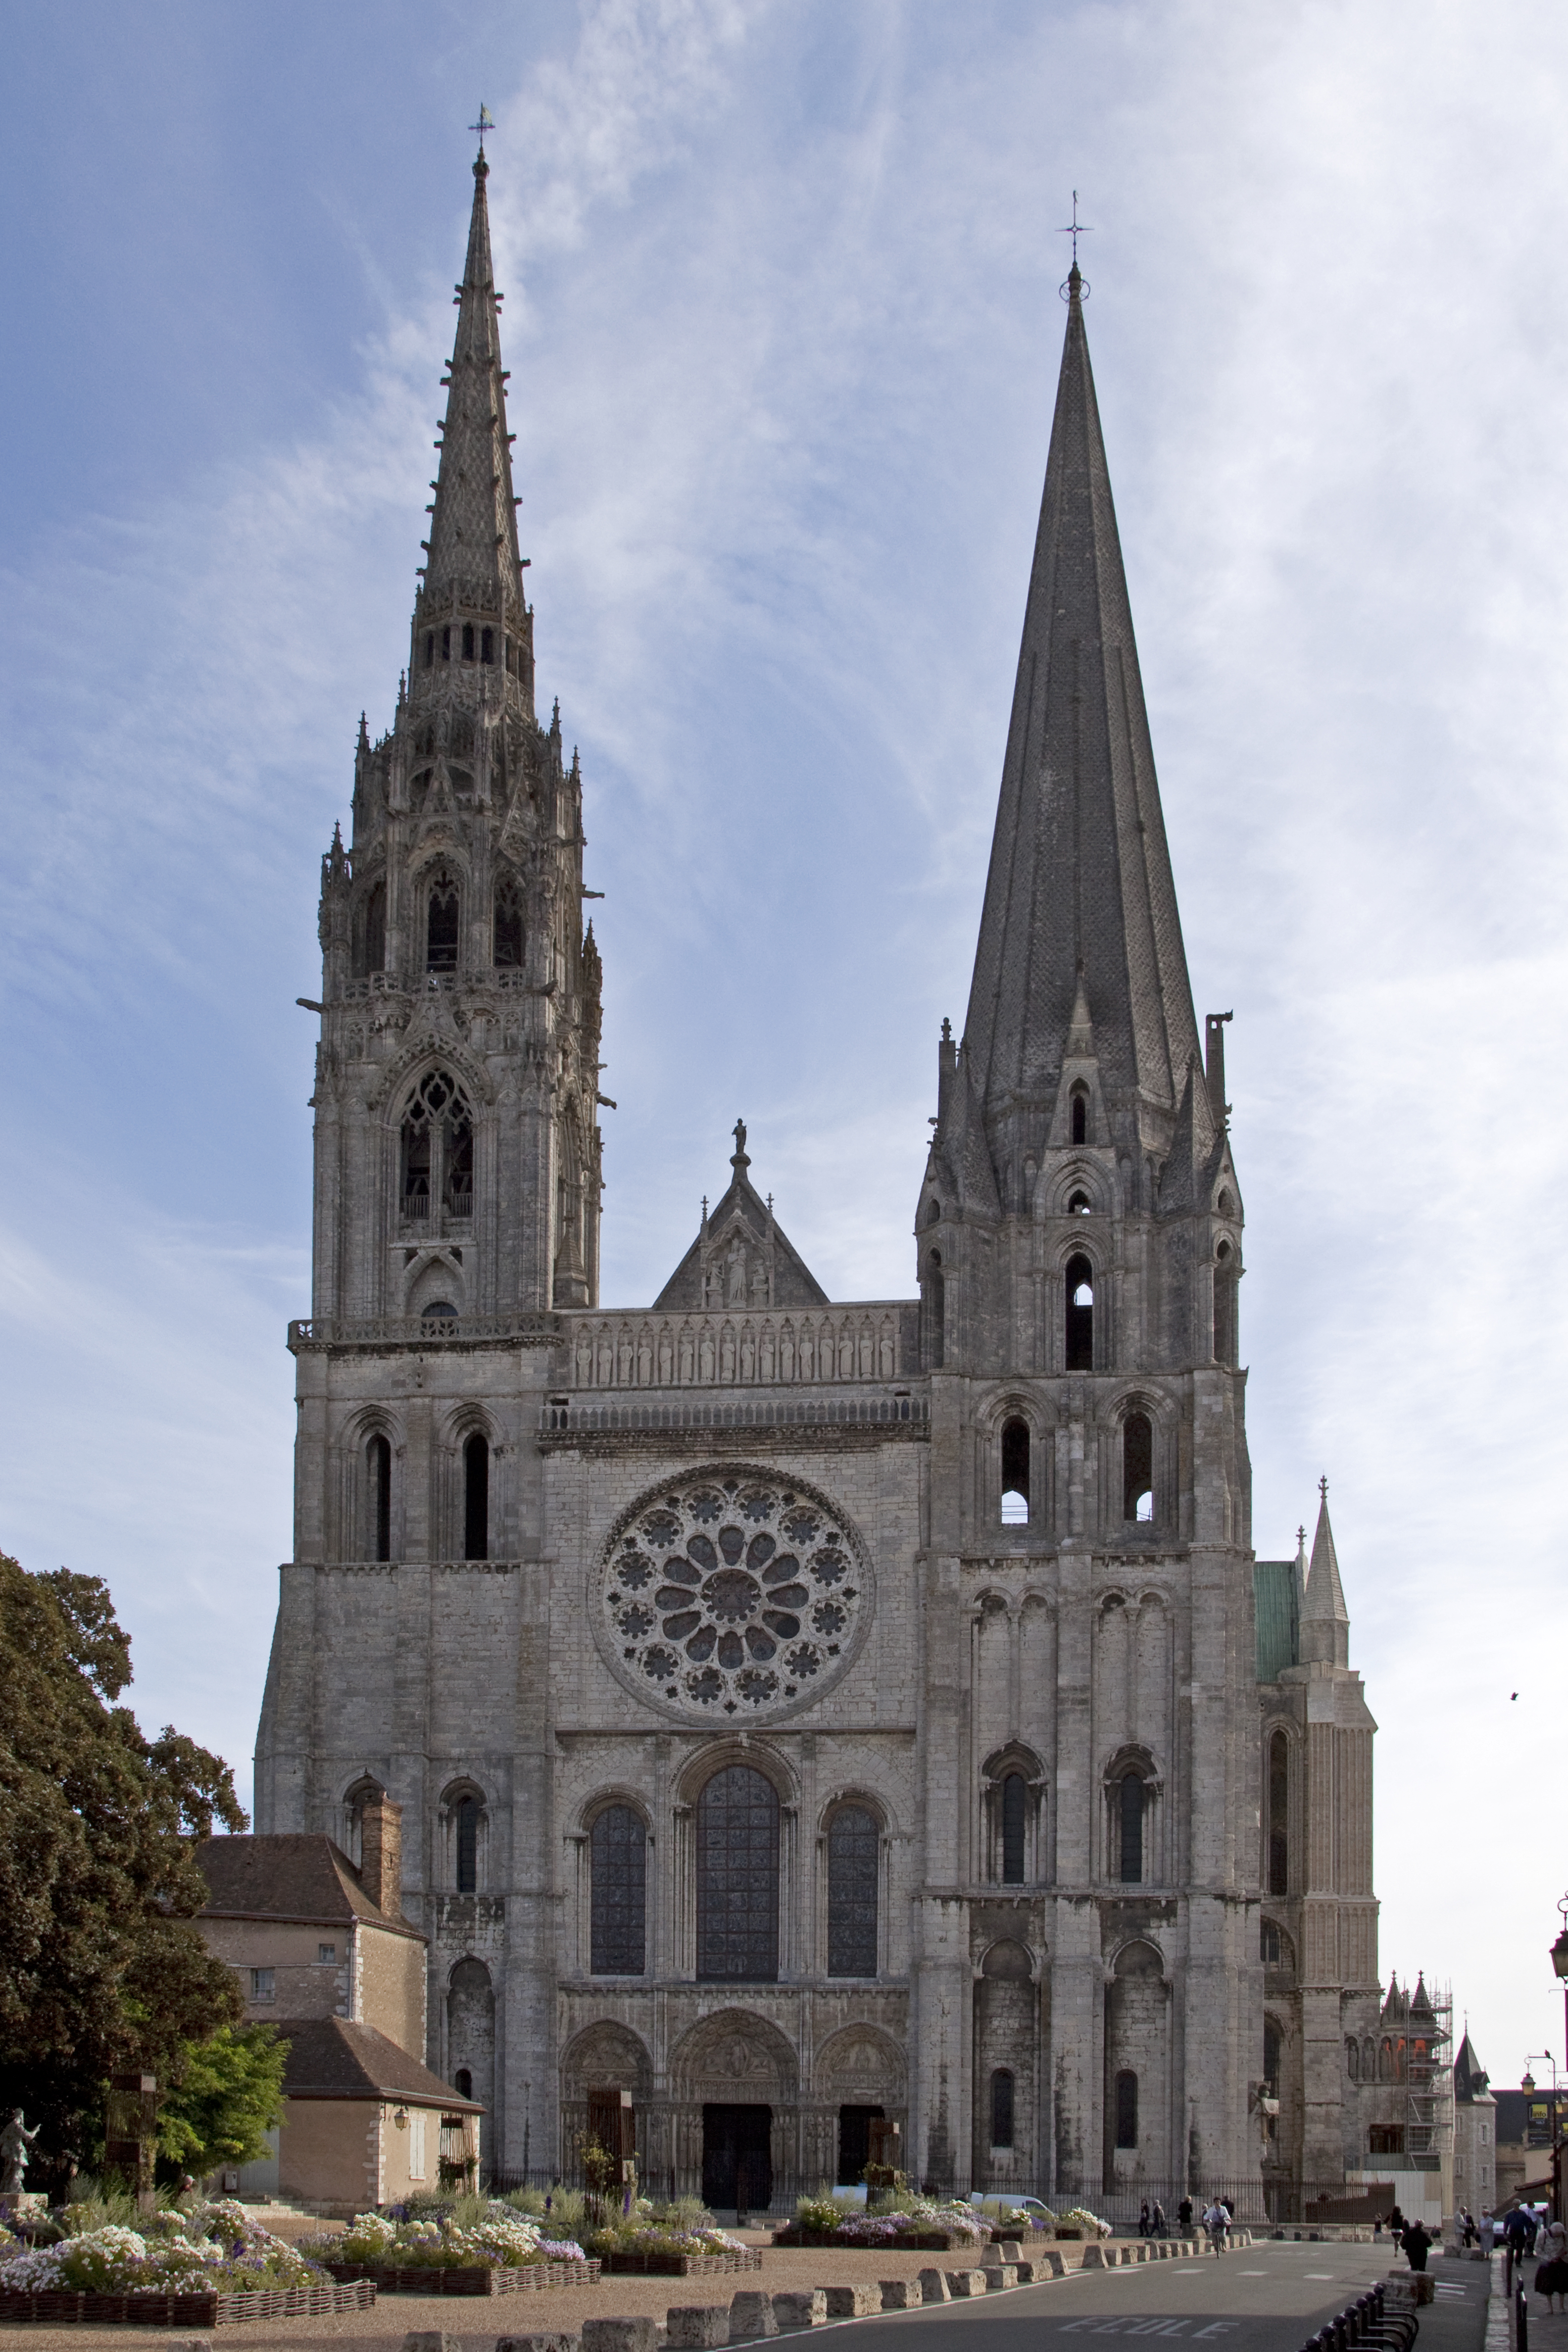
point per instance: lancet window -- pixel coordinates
(853, 1847)
(437, 1151)
(442, 908)
(738, 1878)
(370, 931)
(1138, 1467)
(617, 1862)
(476, 1497)
(1001, 2108)
(1016, 1474)
(1126, 2109)
(1278, 1814)
(1080, 1285)
(378, 1470)
(507, 935)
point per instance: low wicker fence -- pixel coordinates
(476, 2278)
(936, 2241)
(656, 2265)
(198, 2307)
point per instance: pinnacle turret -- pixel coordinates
(1080, 902)
(1325, 1620)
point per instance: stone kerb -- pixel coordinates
(750, 2317)
(933, 2286)
(637, 2334)
(807, 2308)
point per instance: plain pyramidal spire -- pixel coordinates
(1080, 900)
(473, 544)
(1325, 1620)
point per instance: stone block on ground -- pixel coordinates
(431, 2339)
(1094, 2259)
(750, 2315)
(853, 2302)
(962, 2282)
(695, 2326)
(998, 2276)
(804, 2308)
(1002, 2249)
(933, 2286)
(902, 2295)
(552, 2339)
(639, 2335)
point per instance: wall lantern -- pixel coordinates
(400, 2118)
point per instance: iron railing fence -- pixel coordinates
(1256, 2204)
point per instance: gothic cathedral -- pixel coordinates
(812, 1717)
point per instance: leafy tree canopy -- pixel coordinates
(229, 2096)
(100, 1969)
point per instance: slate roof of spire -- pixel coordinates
(1325, 1596)
(1079, 872)
(1471, 2077)
(473, 529)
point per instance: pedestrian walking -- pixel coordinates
(1551, 2273)
(1145, 2229)
(1184, 2217)
(1158, 2224)
(1416, 2242)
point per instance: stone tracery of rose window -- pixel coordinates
(728, 1595)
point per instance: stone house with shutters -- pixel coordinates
(811, 1712)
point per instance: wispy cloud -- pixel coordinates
(783, 326)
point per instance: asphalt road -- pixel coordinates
(1260, 2298)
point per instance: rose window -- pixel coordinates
(733, 1595)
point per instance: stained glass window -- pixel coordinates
(618, 1862)
(738, 1878)
(852, 1843)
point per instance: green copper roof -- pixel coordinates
(1276, 1609)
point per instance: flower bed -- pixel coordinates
(667, 2263)
(196, 2266)
(660, 2249)
(467, 2278)
(201, 2308)
(503, 2253)
(922, 2226)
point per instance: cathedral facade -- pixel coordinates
(812, 1717)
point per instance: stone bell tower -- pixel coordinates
(1079, 1238)
(457, 1146)
(457, 1171)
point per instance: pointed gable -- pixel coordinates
(1080, 884)
(742, 1256)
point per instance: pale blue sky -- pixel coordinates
(784, 330)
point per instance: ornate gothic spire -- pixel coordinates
(472, 547)
(1079, 897)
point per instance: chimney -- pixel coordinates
(381, 1852)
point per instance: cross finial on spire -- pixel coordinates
(486, 121)
(1323, 1488)
(1075, 228)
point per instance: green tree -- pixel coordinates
(100, 1969)
(229, 2095)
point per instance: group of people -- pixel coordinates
(1216, 2219)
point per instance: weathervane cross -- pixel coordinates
(1075, 228)
(487, 122)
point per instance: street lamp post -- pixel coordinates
(1526, 2086)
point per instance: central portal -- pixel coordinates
(737, 2159)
